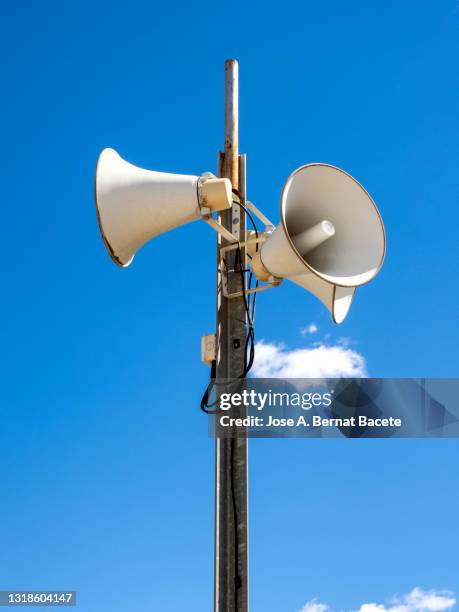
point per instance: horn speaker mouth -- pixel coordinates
(354, 254)
(108, 246)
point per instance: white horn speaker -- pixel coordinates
(330, 240)
(135, 205)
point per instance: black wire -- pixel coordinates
(249, 214)
(249, 344)
(205, 398)
(237, 577)
(250, 338)
(249, 356)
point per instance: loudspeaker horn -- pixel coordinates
(135, 205)
(331, 238)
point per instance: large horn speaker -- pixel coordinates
(135, 205)
(331, 238)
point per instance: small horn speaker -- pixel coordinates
(135, 205)
(331, 238)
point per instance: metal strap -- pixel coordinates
(220, 229)
(259, 214)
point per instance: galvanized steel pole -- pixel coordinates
(231, 516)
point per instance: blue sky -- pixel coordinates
(105, 466)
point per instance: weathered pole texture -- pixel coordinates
(231, 516)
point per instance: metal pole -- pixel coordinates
(231, 525)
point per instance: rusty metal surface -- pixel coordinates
(231, 516)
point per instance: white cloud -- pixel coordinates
(321, 361)
(426, 601)
(314, 606)
(309, 329)
(415, 601)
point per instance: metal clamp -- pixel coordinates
(236, 294)
(236, 244)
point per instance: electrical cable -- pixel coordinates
(249, 343)
(249, 356)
